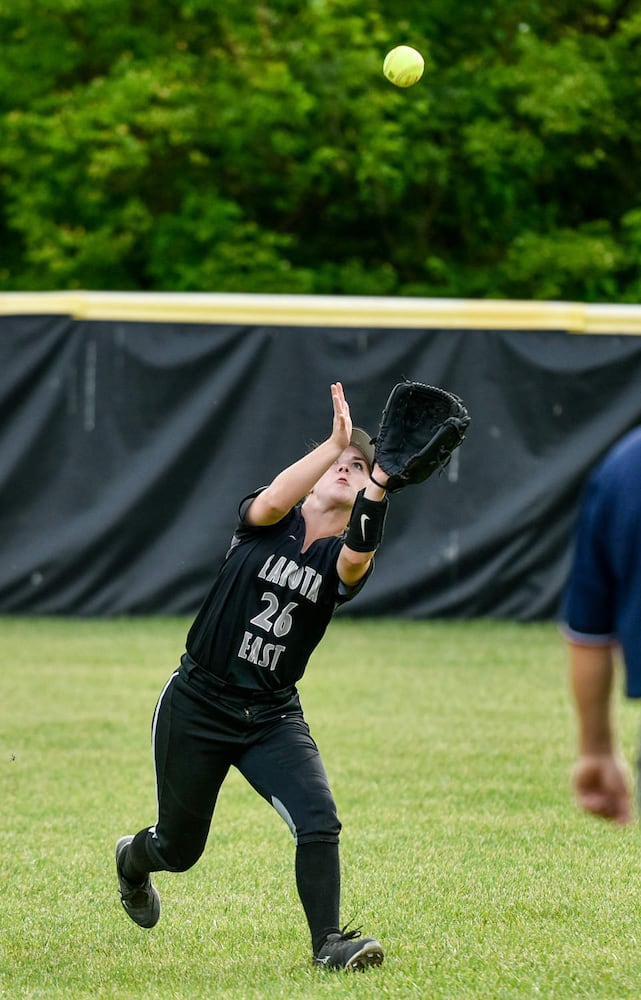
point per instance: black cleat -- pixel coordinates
(348, 950)
(141, 902)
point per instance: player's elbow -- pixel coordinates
(352, 566)
(265, 510)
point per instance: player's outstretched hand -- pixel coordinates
(342, 425)
(602, 787)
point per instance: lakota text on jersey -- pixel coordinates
(287, 573)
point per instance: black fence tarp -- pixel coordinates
(126, 446)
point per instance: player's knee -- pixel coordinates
(181, 861)
(322, 819)
(181, 858)
(177, 854)
(317, 822)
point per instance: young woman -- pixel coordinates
(303, 546)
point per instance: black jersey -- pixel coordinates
(269, 606)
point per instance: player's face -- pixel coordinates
(343, 480)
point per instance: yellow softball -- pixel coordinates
(403, 66)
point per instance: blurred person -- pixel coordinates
(303, 546)
(601, 623)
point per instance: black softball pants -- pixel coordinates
(198, 733)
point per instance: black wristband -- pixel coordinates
(376, 483)
(366, 523)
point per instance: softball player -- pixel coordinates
(303, 546)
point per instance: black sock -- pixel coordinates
(318, 879)
(135, 865)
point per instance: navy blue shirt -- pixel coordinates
(270, 604)
(602, 598)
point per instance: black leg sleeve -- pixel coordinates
(318, 881)
(136, 863)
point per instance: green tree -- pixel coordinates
(174, 146)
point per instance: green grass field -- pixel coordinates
(449, 747)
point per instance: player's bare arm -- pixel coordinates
(296, 481)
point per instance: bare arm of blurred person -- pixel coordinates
(600, 776)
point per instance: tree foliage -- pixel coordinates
(257, 147)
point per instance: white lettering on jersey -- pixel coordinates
(274, 575)
(312, 593)
(254, 649)
(262, 572)
(277, 614)
(286, 573)
(273, 617)
(291, 575)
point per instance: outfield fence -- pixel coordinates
(132, 424)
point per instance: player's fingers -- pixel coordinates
(607, 804)
(342, 418)
(620, 806)
(623, 814)
(595, 803)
